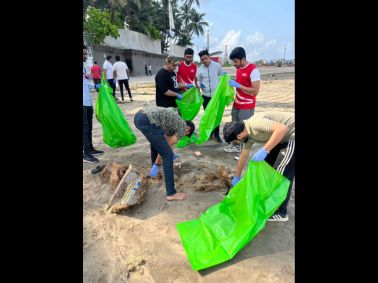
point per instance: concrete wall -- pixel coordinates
(134, 59)
(129, 39)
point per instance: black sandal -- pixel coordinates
(98, 169)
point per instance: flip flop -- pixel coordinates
(98, 169)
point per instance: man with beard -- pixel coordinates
(186, 70)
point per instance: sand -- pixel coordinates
(142, 244)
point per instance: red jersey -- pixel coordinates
(96, 72)
(244, 100)
(186, 74)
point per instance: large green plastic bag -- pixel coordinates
(185, 140)
(225, 228)
(213, 114)
(190, 104)
(115, 129)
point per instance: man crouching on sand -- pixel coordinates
(163, 127)
(277, 131)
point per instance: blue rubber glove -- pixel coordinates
(154, 170)
(179, 96)
(235, 180)
(202, 86)
(97, 86)
(234, 84)
(175, 156)
(189, 85)
(260, 155)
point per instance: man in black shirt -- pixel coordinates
(167, 87)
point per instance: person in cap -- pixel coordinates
(167, 87)
(277, 131)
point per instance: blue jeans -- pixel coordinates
(155, 135)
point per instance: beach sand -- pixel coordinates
(143, 245)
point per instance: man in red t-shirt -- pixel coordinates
(186, 70)
(96, 73)
(247, 86)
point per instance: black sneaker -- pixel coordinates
(96, 152)
(218, 139)
(278, 217)
(90, 159)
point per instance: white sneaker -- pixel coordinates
(278, 217)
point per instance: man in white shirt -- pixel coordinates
(121, 73)
(150, 69)
(207, 79)
(108, 69)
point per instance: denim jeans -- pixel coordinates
(159, 145)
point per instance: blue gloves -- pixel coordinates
(175, 156)
(202, 86)
(235, 180)
(97, 86)
(260, 155)
(234, 84)
(189, 85)
(179, 96)
(154, 170)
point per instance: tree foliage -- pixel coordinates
(98, 25)
(150, 17)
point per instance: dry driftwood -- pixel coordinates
(124, 196)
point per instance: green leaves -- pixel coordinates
(97, 23)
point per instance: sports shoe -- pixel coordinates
(278, 217)
(90, 159)
(218, 139)
(131, 99)
(96, 152)
(237, 156)
(232, 148)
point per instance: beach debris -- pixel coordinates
(198, 154)
(131, 187)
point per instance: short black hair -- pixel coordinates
(231, 130)
(108, 57)
(192, 127)
(84, 47)
(238, 53)
(117, 58)
(203, 52)
(95, 62)
(188, 51)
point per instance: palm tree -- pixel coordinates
(197, 23)
(190, 3)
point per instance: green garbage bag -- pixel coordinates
(115, 129)
(190, 104)
(185, 140)
(213, 114)
(225, 228)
